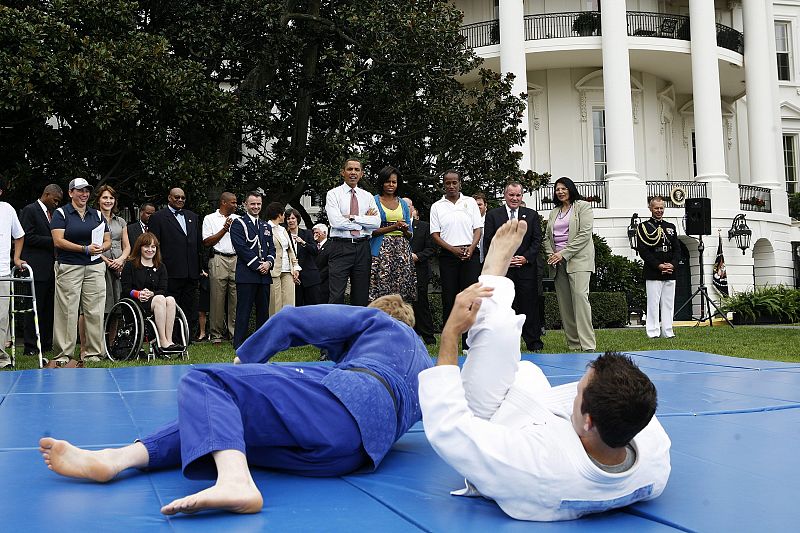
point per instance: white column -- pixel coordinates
(705, 86)
(762, 132)
(512, 60)
(620, 152)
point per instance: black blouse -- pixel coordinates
(143, 277)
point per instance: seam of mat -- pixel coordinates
(754, 473)
(649, 355)
(138, 436)
(397, 512)
(657, 519)
(10, 389)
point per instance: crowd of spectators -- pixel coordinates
(85, 259)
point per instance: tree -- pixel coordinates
(269, 93)
(317, 81)
(85, 92)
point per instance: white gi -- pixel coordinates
(501, 425)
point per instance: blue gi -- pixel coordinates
(315, 420)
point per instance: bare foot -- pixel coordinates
(63, 458)
(504, 243)
(241, 497)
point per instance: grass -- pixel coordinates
(752, 342)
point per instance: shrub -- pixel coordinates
(614, 273)
(609, 310)
(777, 303)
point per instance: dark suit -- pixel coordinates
(526, 298)
(38, 253)
(134, 230)
(422, 244)
(180, 252)
(307, 293)
(253, 244)
(322, 265)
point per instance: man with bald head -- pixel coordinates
(178, 231)
(221, 267)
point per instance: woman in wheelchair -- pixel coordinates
(144, 279)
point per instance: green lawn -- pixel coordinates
(778, 344)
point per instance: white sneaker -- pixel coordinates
(92, 359)
(5, 359)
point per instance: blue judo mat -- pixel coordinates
(734, 425)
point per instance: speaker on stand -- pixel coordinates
(698, 222)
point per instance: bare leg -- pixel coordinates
(504, 243)
(201, 321)
(159, 307)
(235, 490)
(169, 325)
(98, 465)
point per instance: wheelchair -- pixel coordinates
(127, 330)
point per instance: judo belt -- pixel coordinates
(379, 378)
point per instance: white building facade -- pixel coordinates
(680, 98)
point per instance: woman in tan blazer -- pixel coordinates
(570, 252)
(286, 272)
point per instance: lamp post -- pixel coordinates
(741, 232)
(633, 240)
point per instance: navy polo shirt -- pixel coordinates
(77, 230)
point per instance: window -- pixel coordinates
(783, 49)
(790, 163)
(694, 155)
(599, 141)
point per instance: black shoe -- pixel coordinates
(173, 348)
(31, 352)
(537, 346)
(431, 340)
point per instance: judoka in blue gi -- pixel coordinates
(313, 420)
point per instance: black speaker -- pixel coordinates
(698, 216)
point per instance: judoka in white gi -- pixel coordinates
(541, 452)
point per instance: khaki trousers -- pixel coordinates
(79, 287)
(281, 292)
(572, 291)
(222, 283)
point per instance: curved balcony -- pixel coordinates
(587, 23)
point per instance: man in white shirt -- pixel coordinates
(10, 229)
(456, 225)
(221, 266)
(542, 453)
(352, 214)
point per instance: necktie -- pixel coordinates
(354, 211)
(178, 212)
(513, 214)
(49, 216)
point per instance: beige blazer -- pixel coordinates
(276, 269)
(579, 252)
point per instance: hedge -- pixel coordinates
(609, 310)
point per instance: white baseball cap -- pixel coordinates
(79, 183)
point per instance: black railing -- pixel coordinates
(586, 23)
(676, 192)
(593, 192)
(662, 25)
(730, 39)
(481, 33)
(557, 25)
(752, 198)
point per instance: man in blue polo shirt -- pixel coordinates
(80, 274)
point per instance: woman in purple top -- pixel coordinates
(570, 254)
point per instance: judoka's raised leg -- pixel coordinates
(98, 465)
